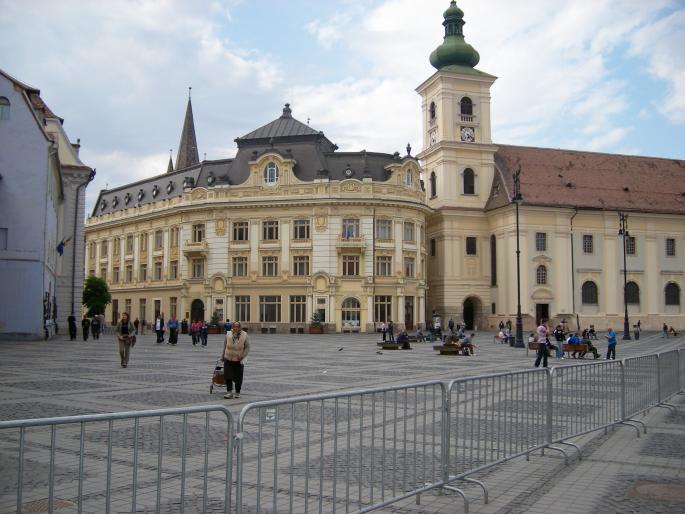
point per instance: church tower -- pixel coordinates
(187, 149)
(458, 164)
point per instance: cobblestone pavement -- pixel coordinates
(619, 473)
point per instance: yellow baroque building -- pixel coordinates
(291, 227)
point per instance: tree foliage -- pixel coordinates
(96, 295)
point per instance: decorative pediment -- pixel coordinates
(351, 186)
(543, 293)
(199, 194)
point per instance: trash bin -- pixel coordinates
(512, 341)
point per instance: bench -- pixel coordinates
(452, 349)
(568, 348)
(393, 346)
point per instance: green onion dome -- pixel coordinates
(454, 51)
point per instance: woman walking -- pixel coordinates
(236, 348)
(125, 333)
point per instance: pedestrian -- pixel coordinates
(173, 330)
(71, 321)
(542, 344)
(636, 332)
(184, 326)
(159, 328)
(611, 347)
(639, 325)
(204, 330)
(391, 330)
(95, 327)
(509, 325)
(384, 330)
(126, 338)
(236, 348)
(420, 338)
(450, 324)
(672, 331)
(142, 326)
(85, 326)
(193, 331)
(664, 331)
(136, 323)
(501, 326)
(559, 336)
(227, 326)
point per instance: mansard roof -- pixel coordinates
(589, 180)
(283, 126)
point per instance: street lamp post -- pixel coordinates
(623, 231)
(519, 321)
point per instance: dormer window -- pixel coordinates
(115, 201)
(271, 174)
(169, 187)
(103, 204)
(211, 179)
(466, 108)
(408, 178)
(4, 108)
(155, 191)
(141, 195)
(127, 198)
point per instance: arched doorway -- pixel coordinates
(197, 310)
(351, 312)
(472, 312)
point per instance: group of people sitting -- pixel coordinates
(459, 338)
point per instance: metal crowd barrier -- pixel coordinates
(126, 461)
(351, 451)
(338, 452)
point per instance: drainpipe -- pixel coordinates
(573, 275)
(90, 178)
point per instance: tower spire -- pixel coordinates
(187, 148)
(454, 53)
(170, 167)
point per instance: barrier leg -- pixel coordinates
(580, 452)
(478, 482)
(460, 493)
(668, 406)
(562, 451)
(643, 425)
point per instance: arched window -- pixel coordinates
(589, 293)
(407, 178)
(351, 312)
(541, 275)
(672, 294)
(493, 260)
(432, 111)
(632, 293)
(4, 108)
(434, 188)
(466, 106)
(469, 182)
(271, 173)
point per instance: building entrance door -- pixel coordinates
(541, 312)
(197, 310)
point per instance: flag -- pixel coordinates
(61, 245)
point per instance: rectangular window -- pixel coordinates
(541, 241)
(350, 265)
(630, 245)
(129, 244)
(143, 242)
(103, 249)
(432, 247)
(270, 309)
(350, 228)
(159, 239)
(173, 237)
(127, 307)
(471, 247)
(240, 266)
(383, 229)
(115, 312)
(173, 270)
(198, 233)
(270, 230)
(103, 273)
(129, 273)
(173, 306)
(142, 274)
(301, 229)
(409, 270)
(298, 309)
(384, 266)
(587, 244)
(198, 267)
(382, 308)
(301, 265)
(242, 308)
(240, 231)
(158, 270)
(269, 266)
(409, 232)
(115, 274)
(670, 247)
(117, 246)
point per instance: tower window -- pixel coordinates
(434, 188)
(432, 111)
(471, 246)
(469, 182)
(466, 106)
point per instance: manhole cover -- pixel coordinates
(42, 505)
(659, 491)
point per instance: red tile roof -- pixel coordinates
(567, 178)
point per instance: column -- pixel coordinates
(651, 279)
(399, 318)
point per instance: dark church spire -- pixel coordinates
(170, 167)
(187, 148)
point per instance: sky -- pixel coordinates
(595, 75)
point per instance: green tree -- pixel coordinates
(96, 295)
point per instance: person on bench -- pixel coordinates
(574, 339)
(466, 344)
(403, 339)
(420, 338)
(589, 347)
(591, 334)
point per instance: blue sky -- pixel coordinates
(601, 75)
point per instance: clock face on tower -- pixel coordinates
(467, 134)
